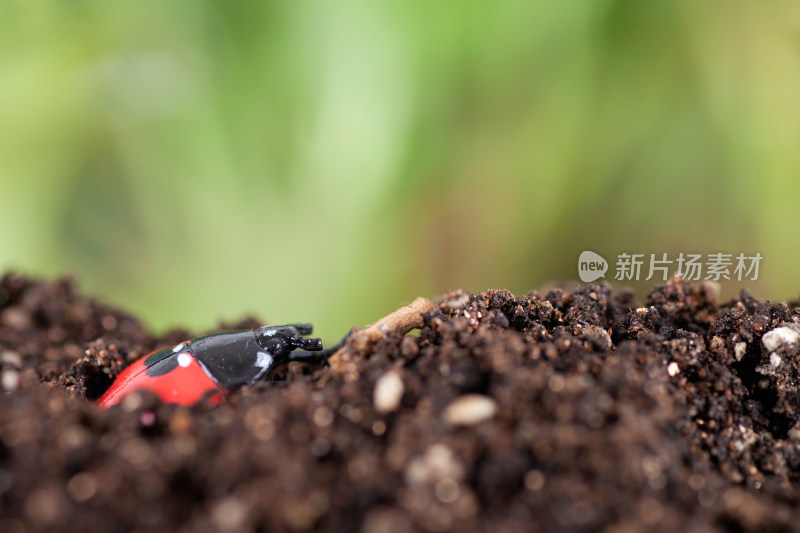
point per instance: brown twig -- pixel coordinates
(403, 320)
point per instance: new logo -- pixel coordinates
(591, 266)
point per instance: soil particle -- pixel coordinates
(569, 411)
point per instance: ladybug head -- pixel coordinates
(279, 341)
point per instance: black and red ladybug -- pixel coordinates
(209, 367)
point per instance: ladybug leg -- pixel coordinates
(306, 344)
(317, 356)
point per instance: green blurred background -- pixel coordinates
(194, 161)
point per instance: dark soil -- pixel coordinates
(570, 411)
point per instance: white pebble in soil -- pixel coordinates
(781, 338)
(470, 409)
(739, 350)
(9, 380)
(673, 369)
(438, 462)
(388, 392)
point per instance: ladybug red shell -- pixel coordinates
(209, 367)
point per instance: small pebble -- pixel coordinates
(782, 337)
(739, 350)
(470, 409)
(388, 392)
(16, 319)
(9, 380)
(11, 357)
(439, 462)
(673, 369)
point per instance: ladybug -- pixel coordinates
(208, 367)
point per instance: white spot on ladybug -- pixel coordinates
(179, 347)
(264, 360)
(184, 359)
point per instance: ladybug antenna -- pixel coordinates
(318, 356)
(303, 343)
